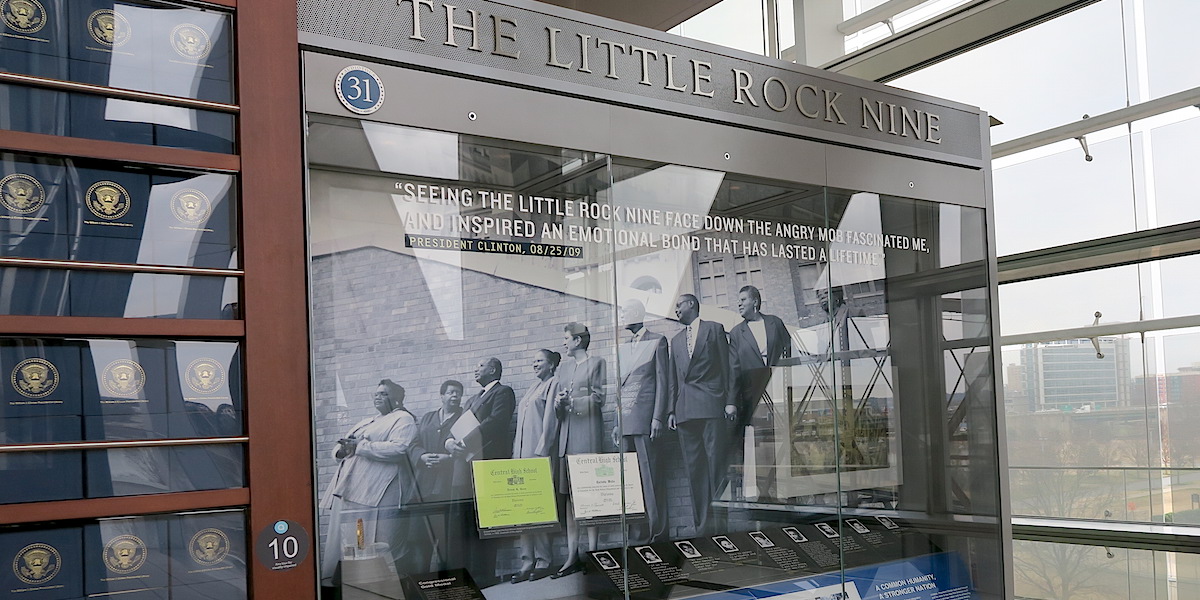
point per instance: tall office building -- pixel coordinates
(1071, 375)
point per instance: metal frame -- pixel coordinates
(1006, 526)
(557, 115)
(1138, 536)
(54, 145)
(1130, 248)
(275, 289)
(381, 55)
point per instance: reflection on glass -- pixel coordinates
(106, 390)
(159, 470)
(94, 117)
(188, 555)
(150, 48)
(126, 555)
(122, 389)
(1047, 571)
(105, 294)
(764, 355)
(35, 206)
(78, 210)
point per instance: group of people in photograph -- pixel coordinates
(403, 483)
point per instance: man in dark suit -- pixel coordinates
(493, 407)
(645, 383)
(758, 343)
(702, 399)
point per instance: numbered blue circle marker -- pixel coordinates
(359, 89)
(281, 527)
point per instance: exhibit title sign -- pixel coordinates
(646, 64)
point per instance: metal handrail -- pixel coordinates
(121, 93)
(59, 446)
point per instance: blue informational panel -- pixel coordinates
(941, 576)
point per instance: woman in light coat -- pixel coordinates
(372, 484)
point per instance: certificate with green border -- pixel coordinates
(516, 494)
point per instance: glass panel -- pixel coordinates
(1073, 572)
(1174, 179)
(734, 23)
(127, 556)
(464, 330)
(795, 377)
(71, 390)
(36, 207)
(104, 390)
(1076, 299)
(160, 470)
(1069, 83)
(209, 555)
(1104, 437)
(43, 558)
(104, 294)
(735, 474)
(152, 48)
(1090, 199)
(49, 112)
(79, 210)
(188, 556)
(1168, 36)
(1082, 437)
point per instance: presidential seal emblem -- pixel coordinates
(190, 206)
(124, 554)
(124, 377)
(34, 378)
(21, 193)
(190, 41)
(37, 563)
(109, 28)
(107, 200)
(209, 546)
(24, 16)
(205, 375)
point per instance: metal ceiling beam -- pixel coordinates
(1117, 117)
(955, 32)
(660, 14)
(879, 14)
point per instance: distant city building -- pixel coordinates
(1067, 375)
(1170, 388)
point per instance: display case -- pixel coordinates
(607, 334)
